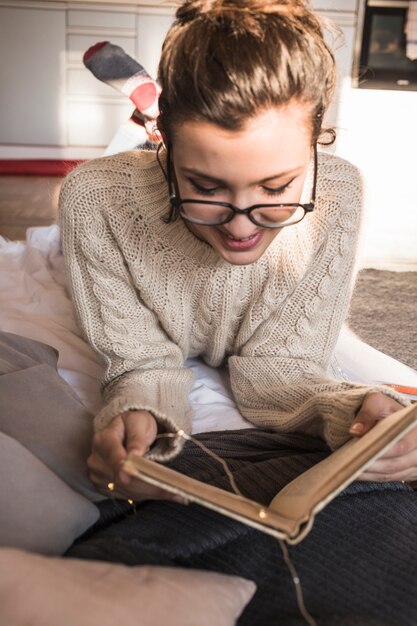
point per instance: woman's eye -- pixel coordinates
(277, 191)
(203, 191)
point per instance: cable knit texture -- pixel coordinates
(149, 295)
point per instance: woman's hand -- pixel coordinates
(133, 431)
(400, 460)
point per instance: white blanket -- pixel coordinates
(34, 302)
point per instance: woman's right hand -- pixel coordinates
(133, 431)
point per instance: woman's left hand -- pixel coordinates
(400, 460)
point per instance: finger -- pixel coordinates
(403, 468)
(97, 464)
(395, 465)
(404, 477)
(100, 472)
(109, 443)
(113, 492)
(374, 407)
(404, 446)
(103, 486)
(107, 464)
(398, 463)
(365, 418)
(399, 449)
(141, 430)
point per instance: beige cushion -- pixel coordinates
(50, 591)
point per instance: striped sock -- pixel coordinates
(113, 66)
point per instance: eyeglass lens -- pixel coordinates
(267, 215)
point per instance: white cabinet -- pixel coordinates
(152, 28)
(335, 5)
(48, 99)
(32, 72)
(95, 110)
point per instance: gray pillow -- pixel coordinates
(45, 437)
(38, 511)
(41, 411)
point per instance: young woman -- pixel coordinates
(236, 242)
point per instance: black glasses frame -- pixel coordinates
(176, 202)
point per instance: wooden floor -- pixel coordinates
(27, 201)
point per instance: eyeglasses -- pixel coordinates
(209, 213)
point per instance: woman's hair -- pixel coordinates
(224, 61)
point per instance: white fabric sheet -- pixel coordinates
(34, 302)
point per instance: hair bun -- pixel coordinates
(224, 61)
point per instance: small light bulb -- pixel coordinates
(262, 513)
(110, 486)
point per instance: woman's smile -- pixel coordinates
(244, 243)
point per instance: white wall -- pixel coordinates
(377, 130)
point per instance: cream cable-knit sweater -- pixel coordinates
(150, 294)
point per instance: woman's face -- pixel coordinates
(265, 162)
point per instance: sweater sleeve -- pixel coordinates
(279, 376)
(143, 368)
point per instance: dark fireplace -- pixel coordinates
(382, 46)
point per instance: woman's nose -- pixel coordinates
(240, 227)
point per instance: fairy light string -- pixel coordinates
(309, 619)
(297, 585)
(111, 487)
(262, 514)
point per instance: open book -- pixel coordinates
(291, 512)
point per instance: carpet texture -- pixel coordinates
(383, 313)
